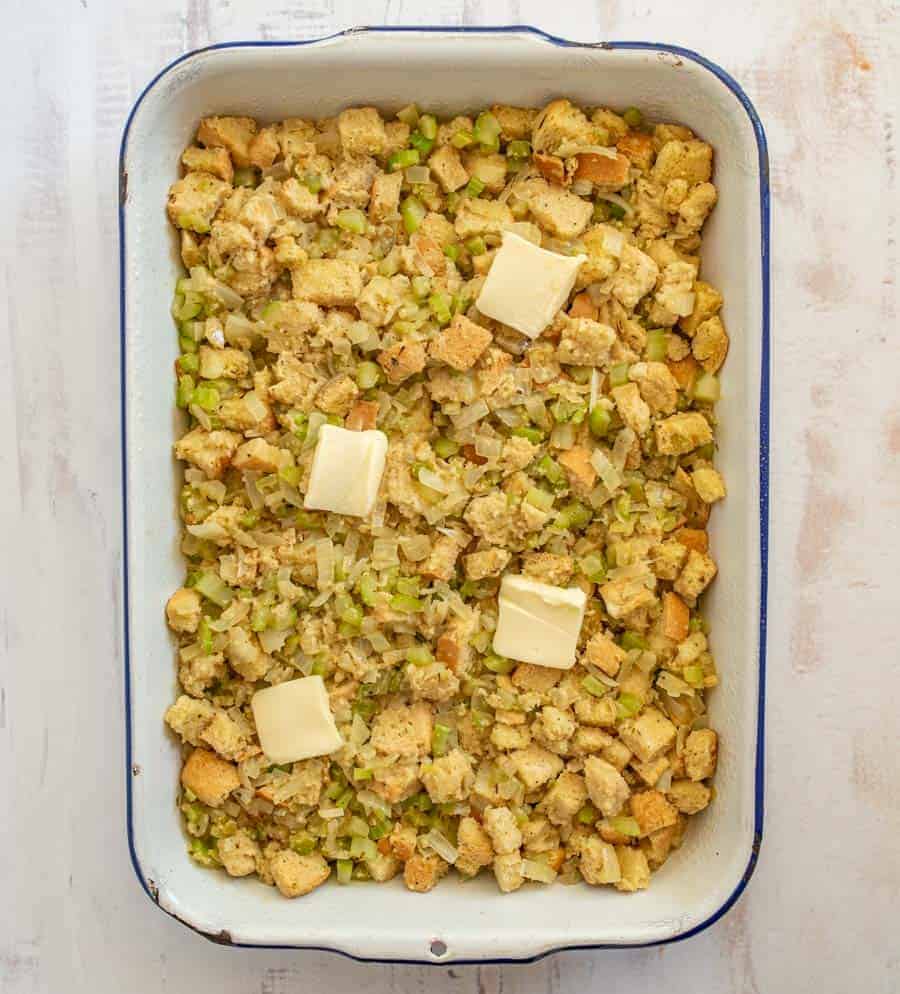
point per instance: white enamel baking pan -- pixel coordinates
(447, 71)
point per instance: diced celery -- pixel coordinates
(461, 139)
(622, 508)
(302, 843)
(193, 221)
(439, 303)
(551, 471)
(407, 585)
(428, 126)
(413, 212)
(344, 871)
(706, 388)
(189, 362)
(632, 117)
(599, 421)
(368, 375)
(419, 655)
(353, 221)
(290, 474)
(618, 375)
(439, 737)
(367, 587)
(406, 604)
(409, 115)
(574, 516)
(307, 520)
(362, 774)
(245, 176)
(534, 435)
(625, 825)
(632, 640)
(487, 131)
(693, 675)
(185, 391)
(539, 498)
(445, 447)
(476, 245)
(204, 636)
(452, 252)
(205, 397)
(615, 211)
(401, 160)
(593, 567)
(518, 149)
(657, 344)
(422, 144)
(498, 664)
(475, 187)
(628, 705)
(587, 815)
(568, 411)
(214, 588)
(312, 182)
(421, 287)
(594, 687)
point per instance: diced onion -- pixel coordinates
(622, 447)
(605, 470)
(272, 640)
(614, 198)
(324, 563)
(434, 481)
(582, 187)
(471, 414)
(415, 547)
(328, 813)
(417, 174)
(613, 241)
(255, 406)
(441, 845)
(236, 611)
(533, 869)
(563, 435)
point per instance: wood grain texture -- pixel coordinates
(820, 916)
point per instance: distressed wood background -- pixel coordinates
(821, 913)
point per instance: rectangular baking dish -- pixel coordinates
(447, 71)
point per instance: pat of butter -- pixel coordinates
(346, 471)
(539, 623)
(527, 285)
(294, 720)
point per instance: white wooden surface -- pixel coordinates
(821, 913)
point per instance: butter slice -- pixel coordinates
(527, 285)
(294, 720)
(539, 623)
(346, 471)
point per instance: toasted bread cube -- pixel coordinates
(603, 653)
(700, 753)
(296, 875)
(332, 282)
(448, 169)
(421, 873)
(361, 130)
(209, 160)
(232, 133)
(634, 869)
(461, 344)
(402, 360)
(183, 610)
(690, 160)
(649, 735)
(606, 173)
(607, 787)
(209, 777)
(385, 197)
(652, 811)
(689, 796)
(696, 576)
(676, 617)
(681, 433)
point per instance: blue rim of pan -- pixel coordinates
(764, 400)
